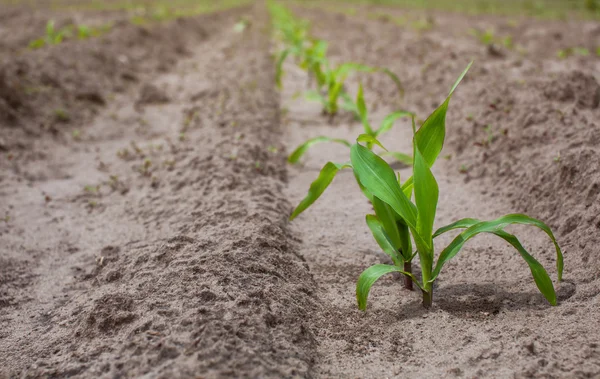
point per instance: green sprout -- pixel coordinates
(488, 37)
(76, 134)
(61, 115)
(311, 56)
(381, 182)
(572, 51)
(53, 36)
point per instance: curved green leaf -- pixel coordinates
(395, 79)
(539, 273)
(379, 179)
(369, 140)
(460, 224)
(383, 239)
(319, 186)
(300, 150)
(370, 276)
(493, 226)
(389, 120)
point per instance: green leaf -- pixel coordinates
(369, 140)
(400, 157)
(387, 217)
(539, 273)
(460, 78)
(300, 150)
(430, 136)
(492, 227)
(319, 186)
(395, 79)
(405, 242)
(389, 120)
(279, 67)
(383, 239)
(370, 276)
(361, 107)
(426, 197)
(407, 187)
(379, 179)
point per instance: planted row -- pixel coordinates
(327, 79)
(404, 211)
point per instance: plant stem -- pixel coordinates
(427, 298)
(408, 283)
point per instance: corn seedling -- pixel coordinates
(571, 51)
(488, 38)
(61, 115)
(311, 56)
(332, 89)
(370, 134)
(53, 36)
(381, 182)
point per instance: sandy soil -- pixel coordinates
(147, 234)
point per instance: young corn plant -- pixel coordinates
(331, 88)
(53, 36)
(397, 243)
(380, 181)
(370, 134)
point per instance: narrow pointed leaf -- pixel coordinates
(389, 120)
(370, 140)
(319, 186)
(430, 136)
(379, 179)
(370, 276)
(383, 239)
(539, 273)
(362, 110)
(492, 227)
(460, 78)
(279, 67)
(407, 187)
(301, 150)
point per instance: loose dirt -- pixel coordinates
(146, 235)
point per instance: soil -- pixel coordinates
(144, 227)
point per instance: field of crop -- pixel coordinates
(341, 189)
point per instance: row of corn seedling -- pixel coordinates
(404, 210)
